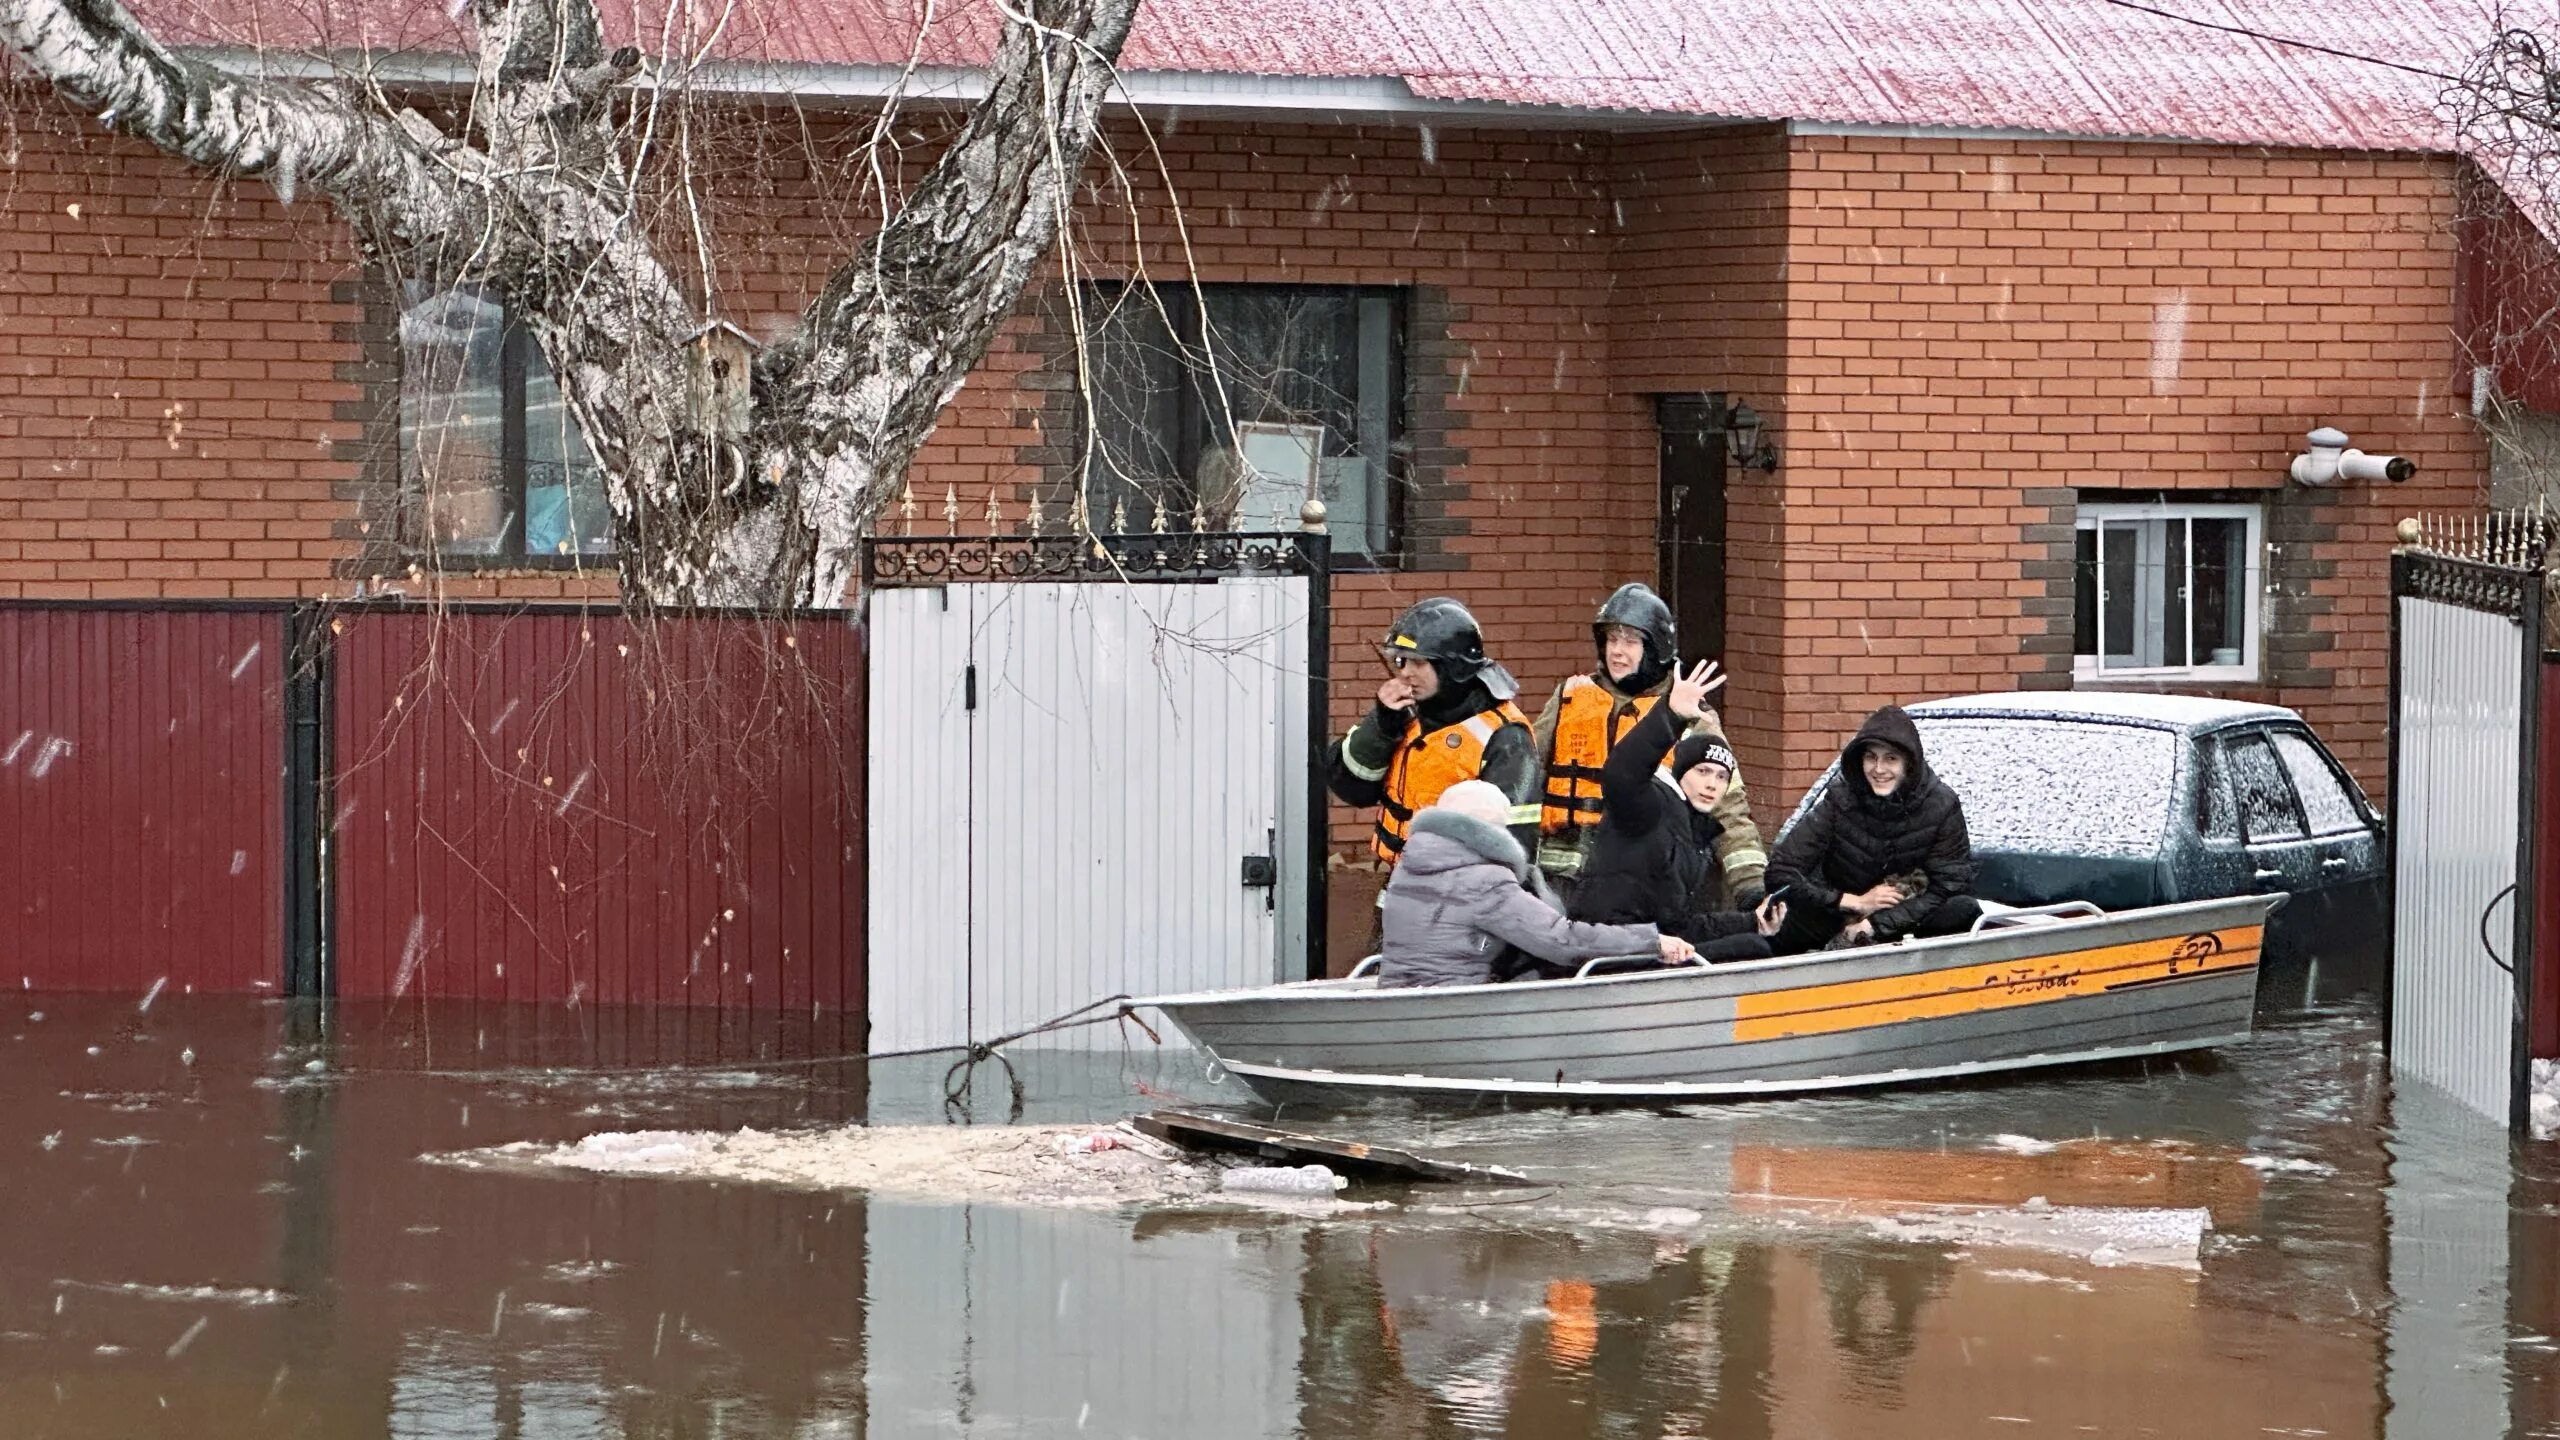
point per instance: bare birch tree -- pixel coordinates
(537, 185)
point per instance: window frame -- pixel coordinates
(1183, 301)
(2095, 516)
(416, 533)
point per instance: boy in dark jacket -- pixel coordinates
(1653, 859)
(1885, 815)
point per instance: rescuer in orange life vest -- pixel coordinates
(1445, 714)
(1589, 714)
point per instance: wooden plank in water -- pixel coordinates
(1351, 1158)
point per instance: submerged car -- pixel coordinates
(2127, 800)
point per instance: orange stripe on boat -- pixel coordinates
(1856, 1004)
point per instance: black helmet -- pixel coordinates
(1639, 609)
(1441, 631)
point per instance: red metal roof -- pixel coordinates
(2087, 67)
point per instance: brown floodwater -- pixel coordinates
(218, 1226)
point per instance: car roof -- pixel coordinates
(2184, 713)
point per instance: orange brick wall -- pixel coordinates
(168, 378)
(1701, 222)
(1971, 320)
(1945, 335)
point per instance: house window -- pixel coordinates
(1227, 402)
(493, 469)
(2167, 590)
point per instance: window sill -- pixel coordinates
(2085, 675)
(464, 564)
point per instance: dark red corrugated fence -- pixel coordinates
(141, 798)
(528, 805)
(577, 807)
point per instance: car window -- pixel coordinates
(2216, 817)
(2259, 786)
(2057, 786)
(2315, 780)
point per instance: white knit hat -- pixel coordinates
(1477, 800)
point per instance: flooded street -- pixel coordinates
(219, 1226)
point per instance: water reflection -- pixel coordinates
(219, 1228)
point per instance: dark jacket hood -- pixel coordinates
(1444, 840)
(1893, 726)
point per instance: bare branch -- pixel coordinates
(899, 325)
(97, 56)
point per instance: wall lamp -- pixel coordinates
(1743, 443)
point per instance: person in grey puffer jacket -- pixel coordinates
(1459, 896)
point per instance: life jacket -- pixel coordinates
(1586, 731)
(1427, 763)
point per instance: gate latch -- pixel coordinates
(1260, 871)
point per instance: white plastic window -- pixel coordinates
(2168, 591)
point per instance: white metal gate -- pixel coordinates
(2466, 643)
(1085, 787)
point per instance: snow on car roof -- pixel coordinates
(2126, 707)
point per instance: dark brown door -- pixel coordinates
(1690, 529)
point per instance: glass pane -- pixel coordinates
(2084, 592)
(2215, 818)
(2266, 799)
(2221, 606)
(2173, 593)
(1137, 407)
(2120, 580)
(2058, 787)
(1284, 359)
(2324, 800)
(564, 505)
(453, 496)
(1367, 474)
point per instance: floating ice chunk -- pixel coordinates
(2023, 1145)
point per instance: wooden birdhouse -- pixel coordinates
(719, 377)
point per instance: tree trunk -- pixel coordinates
(538, 193)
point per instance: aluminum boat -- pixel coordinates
(2052, 985)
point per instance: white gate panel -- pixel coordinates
(1128, 760)
(919, 823)
(2455, 823)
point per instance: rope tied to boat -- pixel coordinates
(958, 1080)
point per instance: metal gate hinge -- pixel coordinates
(969, 688)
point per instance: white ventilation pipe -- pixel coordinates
(2329, 461)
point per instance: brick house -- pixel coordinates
(2022, 324)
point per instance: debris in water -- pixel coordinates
(1281, 1180)
(193, 1294)
(2022, 1145)
(2101, 1235)
(1351, 1157)
(1013, 1164)
(2276, 1165)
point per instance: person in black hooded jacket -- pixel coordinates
(1653, 856)
(1883, 854)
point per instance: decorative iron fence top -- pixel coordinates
(2523, 540)
(891, 561)
(2470, 584)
